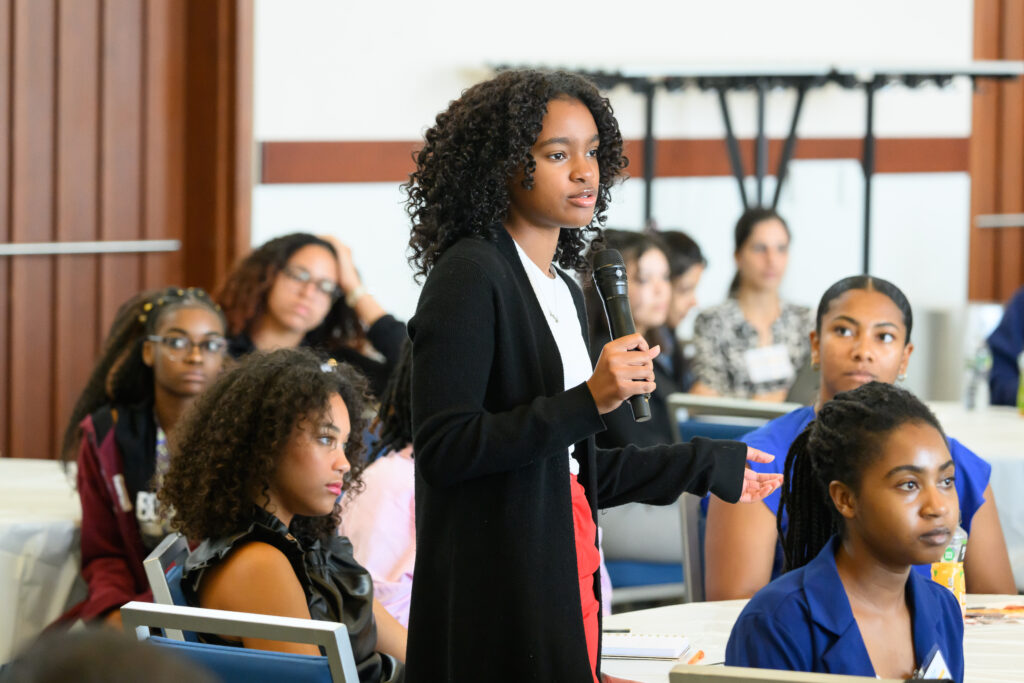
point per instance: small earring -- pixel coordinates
(902, 377)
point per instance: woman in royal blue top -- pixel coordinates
(862, 334)
(869, 491)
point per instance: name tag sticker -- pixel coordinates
(935, 667)
(768, 364)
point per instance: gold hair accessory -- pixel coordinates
(329, 365)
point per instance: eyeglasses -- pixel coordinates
(302, 276)
(178, 347)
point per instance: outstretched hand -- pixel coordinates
(758, 485)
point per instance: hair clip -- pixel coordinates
(329, 365)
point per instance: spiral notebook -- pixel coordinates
(643, 645)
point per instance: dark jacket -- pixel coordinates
(495, 593)
(116, 460)
(387, 335)
(1007, 343)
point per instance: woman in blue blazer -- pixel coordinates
(869, 492)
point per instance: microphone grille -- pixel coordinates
(608, 257)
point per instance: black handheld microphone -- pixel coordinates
(610, 278)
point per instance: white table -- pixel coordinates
(39, 520)
(997, 435)
(993, 653)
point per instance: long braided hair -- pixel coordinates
(120, 376)
(845, 437)
(395, 415)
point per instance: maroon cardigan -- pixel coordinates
(112, 548)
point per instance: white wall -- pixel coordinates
(327, 69)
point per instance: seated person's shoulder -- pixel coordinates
(774, 627)
(716, 312)
(782, 601)
(243, 579)
(776, 436)
(965, 458)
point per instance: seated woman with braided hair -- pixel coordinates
(261, 461)
(165, 347)
(869, 492)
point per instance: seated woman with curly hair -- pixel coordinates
(262, 458)
(304, 290)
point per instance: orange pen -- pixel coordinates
(697, 657)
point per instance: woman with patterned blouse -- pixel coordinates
(752, 345)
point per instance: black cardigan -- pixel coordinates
(495, 594)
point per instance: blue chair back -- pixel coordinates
(689, 429)
(178, 596)
(242, 665)
(174, 584)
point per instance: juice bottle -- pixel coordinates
(1020, 387)
(949, 571)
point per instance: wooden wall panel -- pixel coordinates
(996, 266)
(1011, 162)
(219, 156)
(121, 149)
(164, 142)
(381, 161)
(32, 159)
(6, 8)
(77, 205)
(94, 106)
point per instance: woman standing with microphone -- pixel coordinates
(505, 403)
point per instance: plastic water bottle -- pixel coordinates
(949, 571)
(976, 395)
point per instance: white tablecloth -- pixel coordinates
(997, 435)
(39, 519)
(993, 653)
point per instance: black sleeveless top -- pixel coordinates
(337, 588)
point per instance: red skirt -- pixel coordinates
(588, 559)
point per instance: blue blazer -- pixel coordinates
(802, 621)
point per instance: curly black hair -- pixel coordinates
(480, 144)
(120, 376)
(244, 293)
(229, 442)
(844, 437)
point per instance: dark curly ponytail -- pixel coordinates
(481, 142)
(842, 440)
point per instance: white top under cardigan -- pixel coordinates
(555, 301)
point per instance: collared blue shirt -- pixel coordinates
(972, 473)
(803, 621)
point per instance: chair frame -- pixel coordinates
(689, 505)
(172, 550)
(330, 635)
